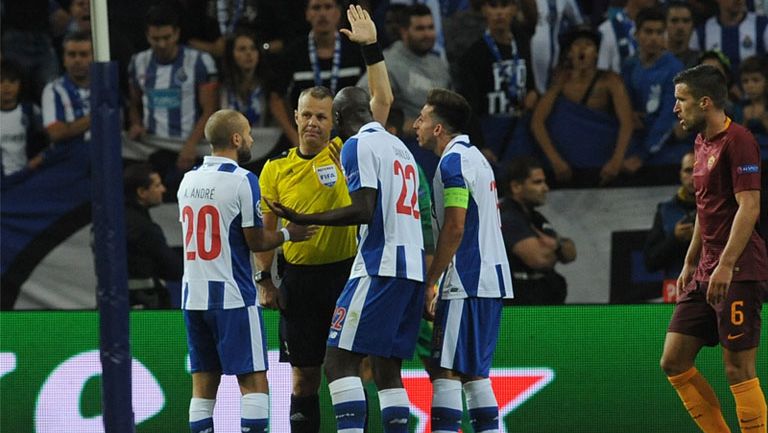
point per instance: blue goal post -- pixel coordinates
(109, 248)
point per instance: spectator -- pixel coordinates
(648, 77)
(735, 31)
(554, 16)
(679, 31)
(325, 58)
(495, 76)
(173, 91)
(198, 24)
(243, 78)
(151, 261)
(259, 16)
(672, 229)
(754, 74)
(462, 29)
(719, 60)
(21, 131)
(617, 34)
(66, 100)
(533, 246)
(584, 101)
(703, 10)
(26, 40)
(391, 28)
(413, 67)
(79, 16)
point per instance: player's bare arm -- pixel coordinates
(259, 239)
(448, 243)
(691, 259)
(268, 293)
(741, 230)
(359, 212)
(363, 31)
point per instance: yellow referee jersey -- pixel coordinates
(310, 186)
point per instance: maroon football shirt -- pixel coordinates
(726, 164)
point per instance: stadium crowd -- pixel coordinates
(555, 95)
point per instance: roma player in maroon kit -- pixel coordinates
(723, 281)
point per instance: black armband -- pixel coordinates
(372, 53)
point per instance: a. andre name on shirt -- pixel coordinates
(204, 193)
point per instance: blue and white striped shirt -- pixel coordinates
(392, 245)
(480, 268)
(747, 39)
(169, 92)
(216, 201)
(63, 101)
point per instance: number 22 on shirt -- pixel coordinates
(407, 174)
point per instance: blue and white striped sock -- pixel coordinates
(395, 409)
(349, 404)
(201, 415)
(446, 406)
(482, 406)
(254, 413)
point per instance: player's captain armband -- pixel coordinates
(456, 197)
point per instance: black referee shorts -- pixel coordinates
(308, 296)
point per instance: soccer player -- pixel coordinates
(305, 178)
(379, 309)
(470, 251)
(721, 286)
(220, 216)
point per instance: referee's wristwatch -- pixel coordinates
(260, 276)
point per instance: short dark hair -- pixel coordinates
(677, 4)
(79, 36)
(649, 14)
(705, 80)
(10, 70)
(415, 10)
(753, 64)
(163, 14)
(519, 169)
(450, 108)
(136, 176)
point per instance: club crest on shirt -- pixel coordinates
(747, 42)
(327, 175)
(711, 161)
(180, 77)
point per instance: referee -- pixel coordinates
(307, 179)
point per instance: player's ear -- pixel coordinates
(438, 129)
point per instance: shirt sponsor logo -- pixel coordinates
(747, 169)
